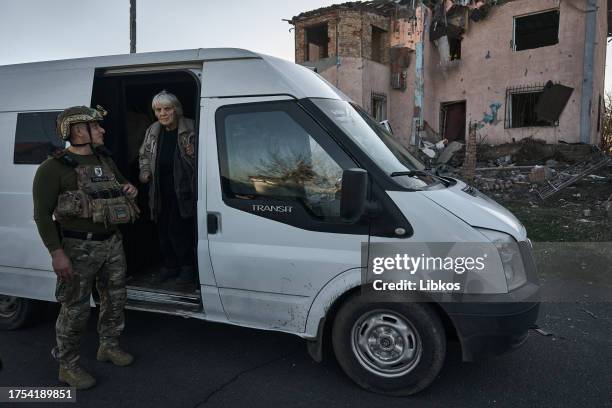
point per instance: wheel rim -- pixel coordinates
(386, 343)
(8, 306)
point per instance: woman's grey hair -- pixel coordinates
(166, 98)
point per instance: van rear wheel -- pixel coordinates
(16, 312)
(389, 348)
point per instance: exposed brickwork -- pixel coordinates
(349, 34)
(381, 22)
(354, 29)
(469, 163)
(331, 19)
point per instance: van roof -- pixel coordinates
(145, 58)
(226, 72)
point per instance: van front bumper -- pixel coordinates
(496, 324)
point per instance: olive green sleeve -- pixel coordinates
(120, 178)
(45, 191)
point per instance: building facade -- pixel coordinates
(513, 69)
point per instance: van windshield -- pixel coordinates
(383, 149)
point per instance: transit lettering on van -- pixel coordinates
(272, 208)
(271, 131)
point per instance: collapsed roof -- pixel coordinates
(381, 7)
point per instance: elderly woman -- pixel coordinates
(167, 163)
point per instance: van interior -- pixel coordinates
(127, 98)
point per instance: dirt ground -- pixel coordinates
(574, 214)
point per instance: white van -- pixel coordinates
(292, 179)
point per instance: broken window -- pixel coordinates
(378, 44)
(454, 45)
(379, 107)
(316, 42)
(536, 30)
(521, 107)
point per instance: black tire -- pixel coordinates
(415, 325)
(16, 312)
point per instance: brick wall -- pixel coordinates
(378, 21)
(300, 34)
(349, 34)
(354, 34)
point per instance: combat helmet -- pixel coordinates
(77, 114)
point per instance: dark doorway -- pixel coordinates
(127, 98)
(452, 121)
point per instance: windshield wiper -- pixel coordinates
(410, 173)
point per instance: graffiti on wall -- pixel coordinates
(490, 118)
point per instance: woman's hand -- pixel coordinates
(130, 191)
(189, 149)
(144, 177)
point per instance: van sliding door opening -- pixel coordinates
(127, 98)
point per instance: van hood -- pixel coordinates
(477, 209)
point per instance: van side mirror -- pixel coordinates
(354, 194)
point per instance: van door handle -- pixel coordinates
(212, 222)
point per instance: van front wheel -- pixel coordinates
(15, 312)
(389, 348)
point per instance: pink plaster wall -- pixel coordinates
(482, 81)
(488, 66)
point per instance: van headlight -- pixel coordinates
(510, 256)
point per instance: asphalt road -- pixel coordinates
(190, 363)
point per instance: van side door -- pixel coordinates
(273, 208)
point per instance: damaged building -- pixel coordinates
(513, 69)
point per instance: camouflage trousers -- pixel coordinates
(102, 262)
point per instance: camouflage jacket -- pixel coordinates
(184, 167)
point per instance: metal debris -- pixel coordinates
(593, 315)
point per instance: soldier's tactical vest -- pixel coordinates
(99, 195)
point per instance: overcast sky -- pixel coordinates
(39, 30)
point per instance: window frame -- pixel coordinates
(381, 98)
(518, 90)
(514, 18)
(299, 216)
(53, 142)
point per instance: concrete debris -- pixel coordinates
(449, 151)
(539, 174)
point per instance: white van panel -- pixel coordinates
(266, 76)
(27, 283)
(48, 90)
(20, 244)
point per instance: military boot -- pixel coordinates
(165, 274)
(186, 276)
(76, 377)
(115, 355)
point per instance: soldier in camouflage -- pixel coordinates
(84, 191)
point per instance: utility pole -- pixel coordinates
(132, 26)
(419, 81)
(588, 67)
